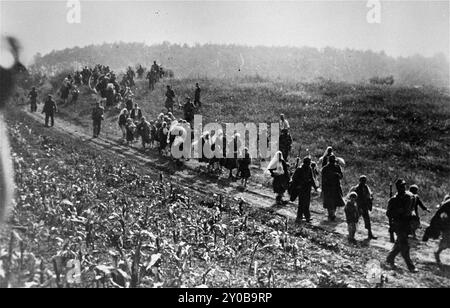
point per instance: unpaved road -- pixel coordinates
(256, 195)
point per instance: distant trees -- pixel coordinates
(219, 61)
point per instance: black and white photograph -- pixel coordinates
(225, 151)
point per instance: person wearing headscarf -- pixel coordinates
(278, 169)
(302, 182)
(324, 159)
(331, 187)
(284, 124)
(123, 116)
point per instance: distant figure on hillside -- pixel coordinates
(136, 113)
(278, 169)
(440, 226)
(399, 211)
(49, 110)
(414, 189)
(302, 182)
(284, 124)
(33, 99)
(97, 118)
(331, 187)
(285, 143)
(197, 94)
(170, 99)
(140, 71)
(123, 117)
(365, 203)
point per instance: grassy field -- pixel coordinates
(382, 132)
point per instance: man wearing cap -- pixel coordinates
(302, 181)
(97, 118)
(49, 110)
(365, 203)
(399, 211)
(331, 187)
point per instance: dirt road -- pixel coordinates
(257, 195)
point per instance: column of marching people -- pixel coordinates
(165, 130)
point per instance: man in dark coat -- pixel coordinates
(49, 110)
(365, 203)
(285, 143)
(97, 118)
(399, 212)
(33, 99)
(197, 94)
(331, 187)
(302, 181)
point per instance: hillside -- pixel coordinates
(383, 132)
(233, 61)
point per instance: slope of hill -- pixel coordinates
(229, 61)
(383, 132)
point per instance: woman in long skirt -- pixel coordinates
(278, 169)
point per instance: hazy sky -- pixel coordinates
(406, 28)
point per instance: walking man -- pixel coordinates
(302, 182)
(49, 109)
(399, 211)
(97, 118)
(33, 99)
(365, 204)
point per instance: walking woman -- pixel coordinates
(123, 116)
(278, 169)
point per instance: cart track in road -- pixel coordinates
(256, 195)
